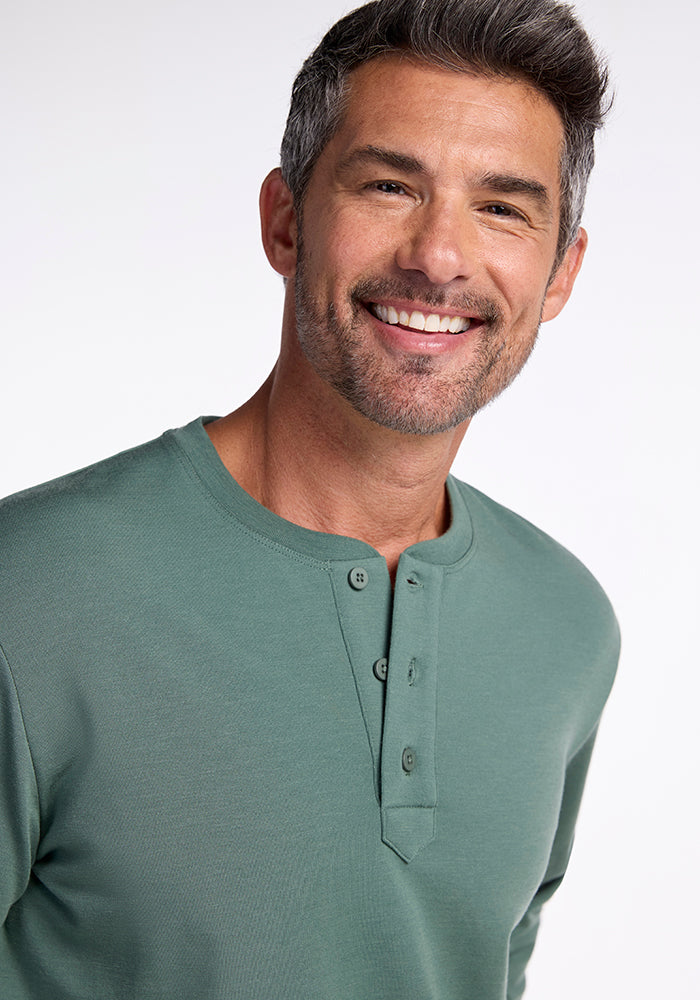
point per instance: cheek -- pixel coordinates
(521, 277)
(360, 238)
(331, 248)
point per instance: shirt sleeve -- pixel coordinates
(522, 940)
(19, 801)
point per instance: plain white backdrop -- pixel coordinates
(134, 295)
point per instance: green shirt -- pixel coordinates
(213, 786)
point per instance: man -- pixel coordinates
(286, 710)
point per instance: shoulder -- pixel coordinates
(87, 497)
(524, 560)
(501, 530)
(81, 532)
(542, 610)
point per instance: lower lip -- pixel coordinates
(417, 342)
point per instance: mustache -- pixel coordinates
(460, 303)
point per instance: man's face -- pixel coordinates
(427, 243)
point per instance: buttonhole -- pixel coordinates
(411, 672)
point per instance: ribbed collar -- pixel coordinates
(204, 459)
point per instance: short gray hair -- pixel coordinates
(540, 41)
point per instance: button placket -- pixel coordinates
(362, 593)
(409, 787)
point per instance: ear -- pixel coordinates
(562, 283)
(278, 223)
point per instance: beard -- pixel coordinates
(413, 394)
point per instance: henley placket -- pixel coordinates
(396, 679)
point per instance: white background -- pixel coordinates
(134, 295)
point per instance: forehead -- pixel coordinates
(448, 116)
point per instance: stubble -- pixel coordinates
(412, 394)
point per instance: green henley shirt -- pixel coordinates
(237, 766)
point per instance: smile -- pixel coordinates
(416, 320)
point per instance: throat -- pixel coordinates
(333, 471)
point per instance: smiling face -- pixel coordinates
(423, 264)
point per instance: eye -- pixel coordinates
(503, 211)
(388, 187)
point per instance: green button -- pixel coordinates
(380, 668)
(408, 760)
(358, 577)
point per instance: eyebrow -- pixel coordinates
(512, 184)
(500, 183)
(385, 157)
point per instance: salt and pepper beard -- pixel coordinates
(413, 395)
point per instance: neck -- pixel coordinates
(311, 458)
(336, 476)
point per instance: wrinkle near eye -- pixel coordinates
(507, 214)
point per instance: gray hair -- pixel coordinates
(540, 41)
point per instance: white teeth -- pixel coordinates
(430, 322)
(417, 320)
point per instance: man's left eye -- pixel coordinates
(505, 211)
(389, 187)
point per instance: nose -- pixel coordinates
(439, 242)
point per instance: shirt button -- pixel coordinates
(358, 577)
(408, 760)
(380, 668)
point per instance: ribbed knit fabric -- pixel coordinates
(212, 789)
